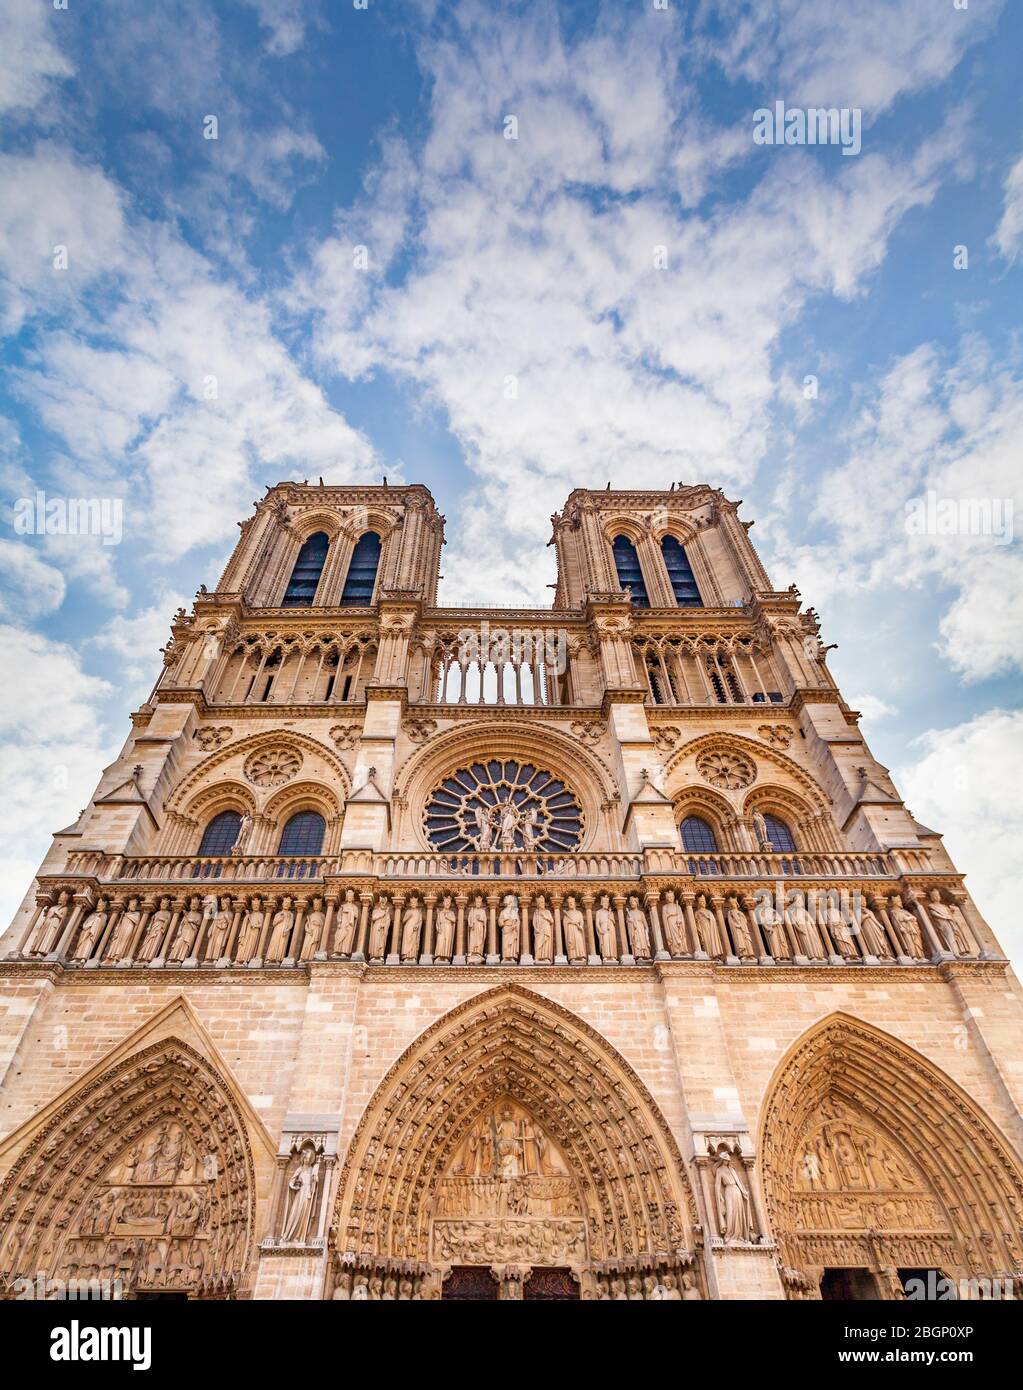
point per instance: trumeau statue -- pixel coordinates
(509, 923)
(604, 926)
(411, 930)
(732, 1200)
(298, 1225)
(574, 926)
(347, 924)
(476, 922)
(444, 925)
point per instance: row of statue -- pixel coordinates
(512, 929)
(666, 1287)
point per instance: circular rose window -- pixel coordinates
(503, 806)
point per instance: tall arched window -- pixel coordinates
(630, 576)
(680, 573)
(305, 576)
(221, 833)
(698, 836)
(362, 572)
(303, 834)
(779, 835)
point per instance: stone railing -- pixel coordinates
(812, 864)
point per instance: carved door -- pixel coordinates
(551, 1286)
(474, 1282)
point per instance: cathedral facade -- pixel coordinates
(410, 952)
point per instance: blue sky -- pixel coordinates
(511, 336)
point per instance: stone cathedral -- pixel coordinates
(410, 952)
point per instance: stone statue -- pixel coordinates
(312, 930)
(707, 929)
(674, 924)
(251, 933)
(216, 946)
(300, 1201)
(669, 1289)
(347, 924)
(760, 830)
(445, 930)
(872, 935)
(772, 925)
(51, 924)
(509, 922)
(528, 828)
(484, 828)
(907, 925)
(411, 930)
(120, 940)
(91, 931)
(738, 924)
(731, 1197)
(477, 926)
(280, 932)
(241, 840)
(543, 931)
(380, 928)
(187, 932)
(508, 823)
(638, 930)
(574, 926)
(946, 924)
(690, 1292)
(840, 929)
(153, 935)
(604, 926)
(805, 929)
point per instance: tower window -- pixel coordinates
(698, 836)
(221, 833)
(305, 577)
(779, 835)
(680, 574)
(362, 572)
(303, 834)
(630, 576)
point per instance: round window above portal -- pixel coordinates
(503, 806)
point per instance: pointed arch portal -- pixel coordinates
(876, 1166)
(512, 1135)
(143, 1175)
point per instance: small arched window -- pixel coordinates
(779, 835)
(630, 576)
(362, 572)
(680, 573)
(221, 833)
(305, 577)
(698, 836)
(303, 834)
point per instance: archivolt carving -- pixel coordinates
(241, 750)
(756, 753)
(872, 1156)
(583, 770)
(144, 1174)
(511, 1046)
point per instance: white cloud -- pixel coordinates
(1008, 237)
(872, 707)
(136, 641)
(30, 59)
(285, 23)
(29, 587)
(967, 783)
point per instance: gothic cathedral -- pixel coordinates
(410, 952)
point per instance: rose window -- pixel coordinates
(272, 767)
(727, 770)
(503, 806)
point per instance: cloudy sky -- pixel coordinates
(630, 289)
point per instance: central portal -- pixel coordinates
(508, 1197)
